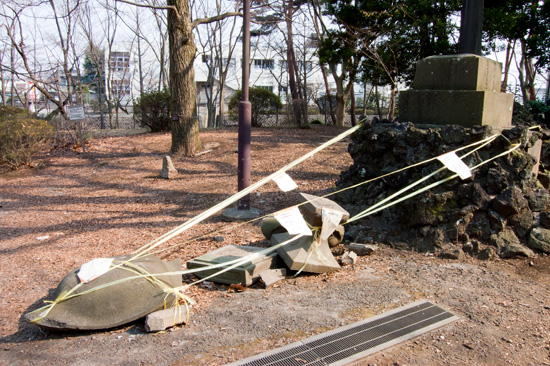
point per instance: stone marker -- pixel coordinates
(312, 211)
(272, 276)
(245, 274)
(362, 249)
(164, 319)
(303, 254)
(168, 171)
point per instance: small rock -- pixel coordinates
(539, 200)
(168, 171)
(362, 249)
(486, 254)
(163, 319)
(219, 238)
(510, 202)
(539, 239)
(452, 254)
(515, 251)
(544, 219)
(349, 258)
(272, 276)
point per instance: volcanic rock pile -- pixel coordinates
(501, 210)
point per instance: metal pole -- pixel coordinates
(245, 114)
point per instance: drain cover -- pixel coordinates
(356, 341)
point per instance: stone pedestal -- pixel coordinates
(457, 89)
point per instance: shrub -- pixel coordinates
(152, 109)
(263, 102)
(21, 137)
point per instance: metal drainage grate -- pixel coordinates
(356, 341)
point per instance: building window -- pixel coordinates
(264, 64)
(266, 87)
(231, 63)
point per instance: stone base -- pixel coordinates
(245, 274)
(461, 107)
(234, 214)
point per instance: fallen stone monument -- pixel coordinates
(113, 298)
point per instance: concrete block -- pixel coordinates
(245, 274)
(272, 276)
(461, 107)
(457, 72)
(304, 254)
(312, 211)
(164, 319)
(271, 226)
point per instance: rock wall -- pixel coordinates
(501, 210)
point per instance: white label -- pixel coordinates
(454, 164)
(293, 221)
(76, 112)
(93, 269)
(331, 220)
(284, 182)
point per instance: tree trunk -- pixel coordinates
(352, 106)
(329, 96)
(391, 108)
(185, 128)
(507, 63)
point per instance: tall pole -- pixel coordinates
(471, 26)
(245, 114)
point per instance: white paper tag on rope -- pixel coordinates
(455, 164)
(331, 220)
(284, 182)
(293, 221)
(93, 269)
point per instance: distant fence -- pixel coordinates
(126, 122)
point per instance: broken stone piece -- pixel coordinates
(271, 226)
(336, 237)
(362, 249)
(272, 276)
(313, 210)
(304, 254)
(164, 319)
(246, 273)
(168, 170)
(349, 258)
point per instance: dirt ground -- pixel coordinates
(111, 201)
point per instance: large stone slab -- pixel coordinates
(245, 274)
(461, 107)
(457, 72)
(303, 254)
(115, 304)
(312, 211)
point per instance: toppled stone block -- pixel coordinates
(246, 274)
(164, 319)
(349, 258)
(168, 170)
(362, 249)
(313, 210)
(272, 276)
(304, 254)
(99, 307)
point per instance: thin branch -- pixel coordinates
(213, 19)
(166, 7)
